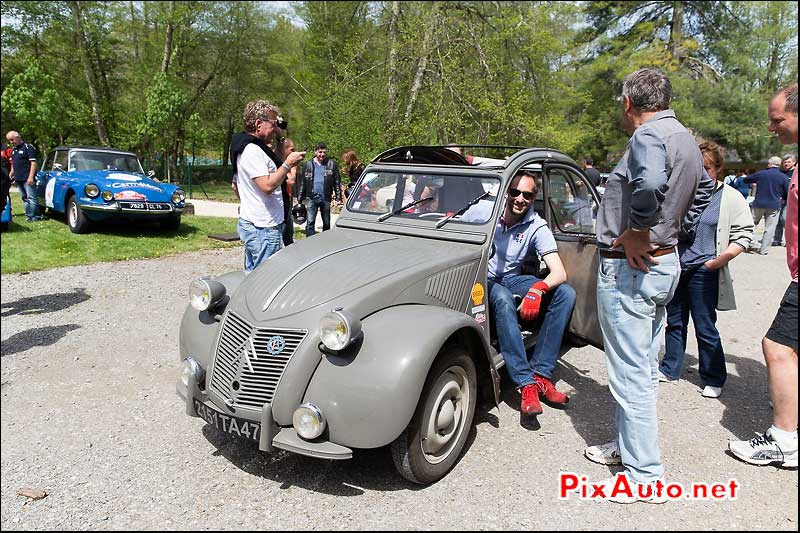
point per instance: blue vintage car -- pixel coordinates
(91, 184)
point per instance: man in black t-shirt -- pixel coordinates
(592, 173)
(23, 171)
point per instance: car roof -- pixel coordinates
(95, 149)
(443, 155)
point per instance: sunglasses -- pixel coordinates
(513, 193)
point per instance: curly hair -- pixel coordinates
(259, 109)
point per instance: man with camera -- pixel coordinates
(260, 177)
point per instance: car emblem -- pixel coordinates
(276, 344)
(243, 353)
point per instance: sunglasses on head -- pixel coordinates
(513, 193)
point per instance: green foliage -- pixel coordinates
(32, 96)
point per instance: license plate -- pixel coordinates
(231, 425)
(135, 205)
(157, 207)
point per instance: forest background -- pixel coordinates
(169, 80)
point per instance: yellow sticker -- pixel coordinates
(477, 294)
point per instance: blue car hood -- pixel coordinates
(118, 181)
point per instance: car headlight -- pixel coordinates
(338, 329)
(191, 367)
(108, 196)
(308, 421)
(178, 196)
(205, 293)
(92, 190)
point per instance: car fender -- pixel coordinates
(369, 392)
(199, 329)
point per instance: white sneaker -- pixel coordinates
(605, 454)
(663, 378)
(763, 450)
(639, 492)
(711, 392)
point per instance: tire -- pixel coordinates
(76, 219)
(171, 223)
(450, 394)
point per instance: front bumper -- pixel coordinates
(271, 435)
(117, 207)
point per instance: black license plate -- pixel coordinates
(157, 207)
(238, 427)
(135, 205)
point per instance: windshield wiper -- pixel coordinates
(400, 210)
(461, 211)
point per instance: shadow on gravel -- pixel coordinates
(30, 338)
(368, 470)
(45, 303)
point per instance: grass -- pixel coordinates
(212, 190)
(28, 246)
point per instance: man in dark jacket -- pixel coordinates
(771, 190)
(320, 183)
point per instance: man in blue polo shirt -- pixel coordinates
(23, 171)
(519, 231)
(771, 190)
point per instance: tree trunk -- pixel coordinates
(91, 79)
(168, 40)
(422, 64)
(135, 32)
(675, 31)
(394, 20)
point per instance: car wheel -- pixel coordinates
(433, 440)
(171, 223)
(76, 219)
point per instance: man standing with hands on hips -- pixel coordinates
(260, 176)
(649, 197)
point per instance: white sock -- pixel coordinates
(787, 439)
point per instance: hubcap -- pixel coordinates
(73, 214)
(445, 413)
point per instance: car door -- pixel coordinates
(52, 184)
(571, 210)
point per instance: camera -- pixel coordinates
(281, 123)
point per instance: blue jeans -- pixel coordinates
(259, 243)
(29, 199)
(631, 306)
(556, 307)
(697, 295)
(312, 204)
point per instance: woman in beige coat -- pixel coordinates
(723, 231)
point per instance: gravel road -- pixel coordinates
(89, 415)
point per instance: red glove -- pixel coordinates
(533, 300)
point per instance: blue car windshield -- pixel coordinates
(87, 160)
(435, 196)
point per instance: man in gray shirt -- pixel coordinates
(651, 196)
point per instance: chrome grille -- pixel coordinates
(242, 377)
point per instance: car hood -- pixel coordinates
(343, 267)
(118, 181)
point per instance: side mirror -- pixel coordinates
(58, 167)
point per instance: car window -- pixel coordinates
(61, 159)
(573, 206)
(86, 160)
(440, 195)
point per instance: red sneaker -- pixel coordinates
(530, 400)
(546, 388)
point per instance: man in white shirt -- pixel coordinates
(259, 176)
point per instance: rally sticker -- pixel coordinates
(48, 192)
(480, 318)
(477, 294)
(129, 195)
(123, 177)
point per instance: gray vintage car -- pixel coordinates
(378, 332)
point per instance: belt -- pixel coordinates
(614, 254)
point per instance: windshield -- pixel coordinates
(84, 160)
(435, 196)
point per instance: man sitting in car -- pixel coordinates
(550, 300)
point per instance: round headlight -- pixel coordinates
(308, 421)
(108, 196)
(92, 190)
(205, 293)
(338, 329)
(178, 196)
(191, 367)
